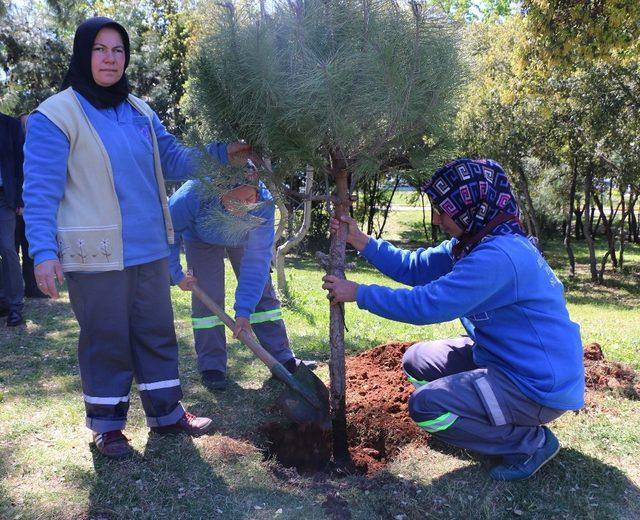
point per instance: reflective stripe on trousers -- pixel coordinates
(209, 322)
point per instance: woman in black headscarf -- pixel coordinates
(96, 158)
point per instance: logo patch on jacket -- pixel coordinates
(483, 316)
(144, 131)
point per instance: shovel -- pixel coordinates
(307, 401)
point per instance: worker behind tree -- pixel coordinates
(520, 365)
(240, 224)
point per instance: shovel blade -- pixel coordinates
(298, 409)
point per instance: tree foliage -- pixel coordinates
(367, 77)
(572, 32)
(36, 43)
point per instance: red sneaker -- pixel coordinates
(113, 444)
(189, 424)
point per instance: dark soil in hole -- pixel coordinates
(377, 417)
(305, 447)
(378, 422)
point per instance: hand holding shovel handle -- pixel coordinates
(277, 369)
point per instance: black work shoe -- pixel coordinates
(214, 379)
(189, 424)
(35, 293)
(293, 364)
(113, 445)
(14, 319)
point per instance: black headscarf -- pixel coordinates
(79, 74)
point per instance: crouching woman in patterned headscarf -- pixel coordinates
(520, 364)
(96, 209)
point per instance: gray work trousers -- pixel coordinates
(479, 409)
(206, 261)
(126, 331)
(11, 272)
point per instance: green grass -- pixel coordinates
(49, 471)
(407, 198)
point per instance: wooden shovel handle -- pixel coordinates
(244, 336)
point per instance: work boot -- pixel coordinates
(293, 364)
(214, 380)
(527, 466)
(35, 293)
(14, 319)
(113, 445)
(189, 424)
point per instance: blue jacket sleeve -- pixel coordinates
(480, 282)
(183, 205)
(180, 162)
(255, 265)
(410, 268)
(46, 152)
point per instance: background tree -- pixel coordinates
(36, 42)
(499, 118)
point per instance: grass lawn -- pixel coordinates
(49, 471)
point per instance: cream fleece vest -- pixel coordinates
(89, 221)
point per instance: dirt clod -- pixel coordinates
(600, 374)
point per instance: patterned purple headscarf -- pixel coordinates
(475, 194)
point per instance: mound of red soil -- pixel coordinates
(378, 422)
(601, 374)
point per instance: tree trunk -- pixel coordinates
(524, 186)
(371, 208)
(579, 227)
(337, 369)
(633, 220)
(592, 214)
(603, 264)
(424, 218)
(294, 239)
(282, 223)
(385, 213)
(608, 231)
(567, 231)
(623, 217)
(612, 219)
(586, 227)
(434, 233)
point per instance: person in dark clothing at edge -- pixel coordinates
(11, 286)
(22, 244)
(257, 307)
(520, 365)
(96, 209)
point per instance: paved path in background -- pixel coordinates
(395, 207)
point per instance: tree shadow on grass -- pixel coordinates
(175, 478)
(32, 356)
(169, 480)
(7, 505)
(573, 485)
